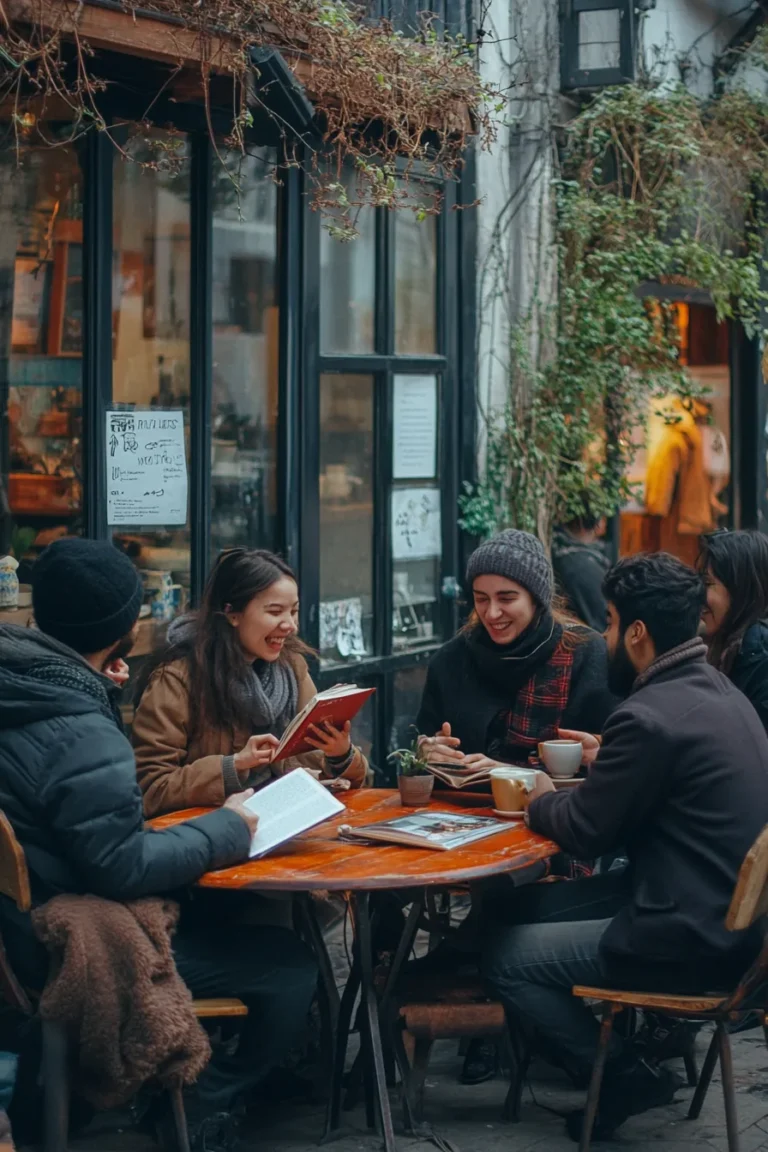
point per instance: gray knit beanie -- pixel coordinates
(519, 556)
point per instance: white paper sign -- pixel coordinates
(341, 627)
(415, 523)
(414, 449)
(146, 468)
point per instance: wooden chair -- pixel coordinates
(748, 905)
(14, 883)
(451, 1007)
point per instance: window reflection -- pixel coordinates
(41, 307)
(415, 282)
(245, 357)
(347, 285)
(346, 517)
(150, 340)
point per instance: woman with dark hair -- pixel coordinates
(211, 708)
(735, 619)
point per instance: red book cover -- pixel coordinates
(331, 709)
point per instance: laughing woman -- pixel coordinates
(518, 673)
(213, 705)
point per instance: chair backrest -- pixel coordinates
(750, 896)
(14, 876)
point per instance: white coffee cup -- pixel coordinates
(562, 758)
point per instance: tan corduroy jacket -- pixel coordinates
(174, 774)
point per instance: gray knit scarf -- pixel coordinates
(268, 692)
(694, 649)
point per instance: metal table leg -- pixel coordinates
(370, 1018)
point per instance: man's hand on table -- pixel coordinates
(237, 804)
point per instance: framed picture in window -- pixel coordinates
(31, 286)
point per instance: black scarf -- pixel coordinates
(506, 667)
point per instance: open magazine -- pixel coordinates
(334, 706)
(438, 830)
(290, 806)
(457, 777)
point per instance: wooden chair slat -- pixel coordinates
(219, 1008)
(750, 897)
(658, 1001)
(14, 876)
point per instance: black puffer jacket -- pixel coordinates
(68, 785)
(750, 669)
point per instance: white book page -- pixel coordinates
(289, 807)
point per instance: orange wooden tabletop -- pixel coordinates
(319, 860)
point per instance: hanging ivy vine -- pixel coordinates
(654, 185)
(385, 102)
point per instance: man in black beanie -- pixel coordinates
(68, 786)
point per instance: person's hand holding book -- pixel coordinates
(335, 743)
(442, 748)
(237, 803)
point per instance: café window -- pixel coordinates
(597, 42)
(380, 458)
(681, 472)
(246, 327)
(151, 371)
(41, 308)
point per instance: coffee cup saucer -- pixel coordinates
(509, 815)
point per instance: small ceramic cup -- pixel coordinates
(562, 758)
(511, 788)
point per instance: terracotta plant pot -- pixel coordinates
(415, 791)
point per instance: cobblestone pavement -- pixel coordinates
(470, 1117)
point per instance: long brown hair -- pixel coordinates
(739, 560)
(210, 647)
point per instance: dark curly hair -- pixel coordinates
(660, 590)
(739, 560)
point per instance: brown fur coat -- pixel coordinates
(113, 984)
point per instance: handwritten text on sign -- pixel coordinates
(146, 468)
(415, 523)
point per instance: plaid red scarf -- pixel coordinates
(540, 703)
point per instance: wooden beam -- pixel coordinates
(153, 39)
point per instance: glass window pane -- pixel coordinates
(41, 236)
(346, 517)
(599, 39)
(415, 283)
(408, 690)
(245, 357)
(416, 552)
(150, 341)
(347, 285)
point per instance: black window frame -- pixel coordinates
(571, 76)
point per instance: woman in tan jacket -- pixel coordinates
(213, 705)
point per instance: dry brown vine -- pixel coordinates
(390, 104)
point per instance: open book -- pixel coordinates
(334, 706)
(290, 806)
(457, 777)
(438, 830)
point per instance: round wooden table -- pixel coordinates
(319, 860)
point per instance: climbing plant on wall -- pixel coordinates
(657, 185)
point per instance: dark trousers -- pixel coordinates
(273, 973)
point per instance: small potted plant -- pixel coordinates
(414, 778)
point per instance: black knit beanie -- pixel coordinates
(85, 593)
(519, 556)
